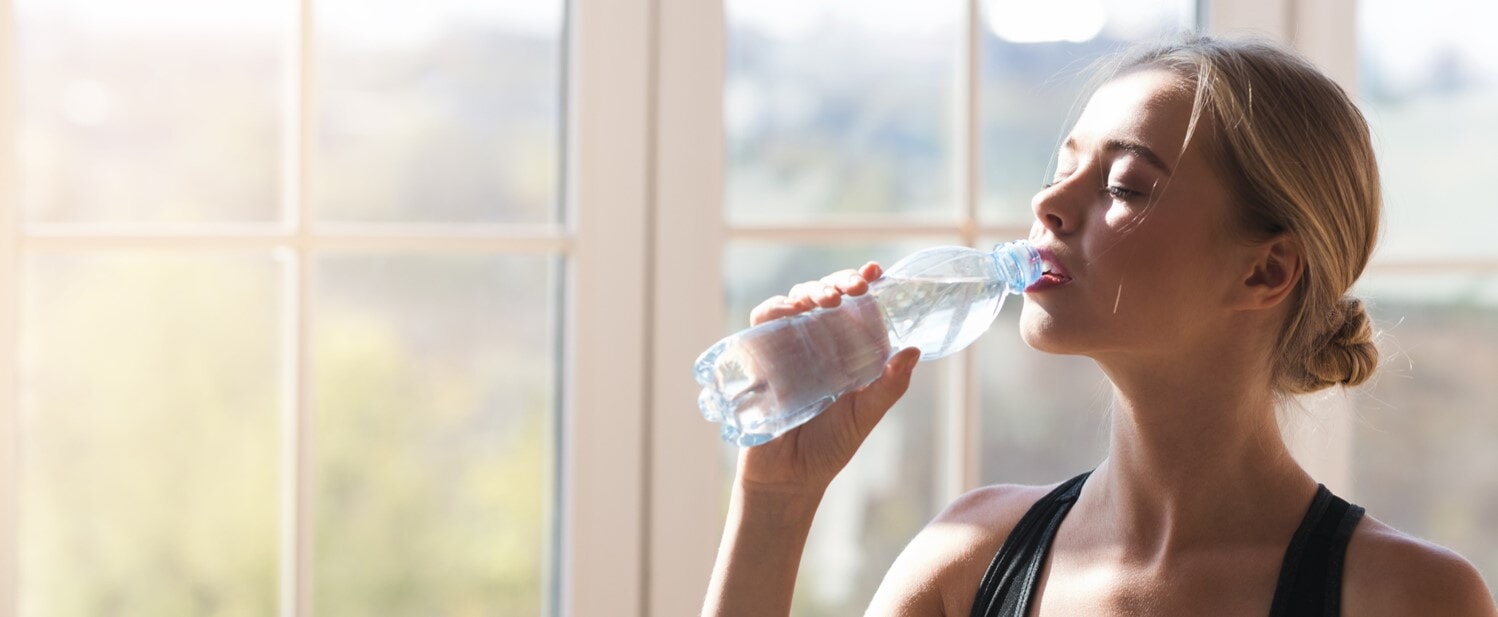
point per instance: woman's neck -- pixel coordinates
(1195, 458)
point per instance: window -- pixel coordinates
(1421, 452)
(338, 308)
(271, 354)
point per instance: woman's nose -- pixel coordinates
(1054, 209)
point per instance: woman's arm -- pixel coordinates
(761, 551)
(776, 493)
(780, 483)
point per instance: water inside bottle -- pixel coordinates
(763, 381)
(939, 315)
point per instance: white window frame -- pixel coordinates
(9, 317)
(603, 247)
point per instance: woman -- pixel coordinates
(1211, 207)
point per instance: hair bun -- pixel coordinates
(1347, 356)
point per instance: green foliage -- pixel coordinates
(153, 453)
(150, 463)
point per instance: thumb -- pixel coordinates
(879, 396)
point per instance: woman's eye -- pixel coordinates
(1121, 192)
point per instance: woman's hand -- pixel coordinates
(805, 459)
(780, 483)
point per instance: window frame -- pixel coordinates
(297, 240)
(9, 316)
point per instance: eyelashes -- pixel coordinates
(1118, 192)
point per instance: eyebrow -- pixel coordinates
(1113, 146)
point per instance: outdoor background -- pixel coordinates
(153, 391)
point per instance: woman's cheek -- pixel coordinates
(1120, 216)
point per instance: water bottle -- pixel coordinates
(771, 378)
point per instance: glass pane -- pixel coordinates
(889, 491)
(1045, 416)
(1429, 84)
(840, 108)
(1423, 456)
(438, 111)
(435, 403)
(1036, 61)
(151, 111)
(150, 433)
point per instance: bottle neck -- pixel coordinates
(1018, 263)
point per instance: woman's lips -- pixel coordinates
(1054, 274)
(1047, 281)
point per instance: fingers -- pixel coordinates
(773, 308)
(816, 294)
(846, 281)
(824, 293)
(876, 398)
(828, 291)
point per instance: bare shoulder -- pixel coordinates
(1389, 572)
(939, 570)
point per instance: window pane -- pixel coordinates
(150, 432)
(1045, 416)
(889, 490)
(152, 111)
(435, 383)
(1036, 60)
(1429, 85)
(839, 108)
(1423, 456)
(439, 111)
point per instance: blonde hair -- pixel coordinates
(1296, 152)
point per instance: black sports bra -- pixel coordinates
(1310, 583)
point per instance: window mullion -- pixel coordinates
(961, 429)
(1267, 18)
(296, 454)
(10, 289)
(685, 479)
(605, 422)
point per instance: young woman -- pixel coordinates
(1210, 209)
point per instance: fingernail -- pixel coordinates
(851, 281)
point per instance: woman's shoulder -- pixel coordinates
(1389, 572)
(997, 507)
(943, 564)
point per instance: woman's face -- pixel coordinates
(1138, 230)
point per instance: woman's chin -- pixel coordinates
(1040, 331)
(1040, 342)
(1036, 336)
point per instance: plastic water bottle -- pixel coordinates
(771, 378)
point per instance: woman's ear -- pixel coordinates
(1273, 274)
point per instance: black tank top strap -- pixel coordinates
(1310, 583)
(1011, 578)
